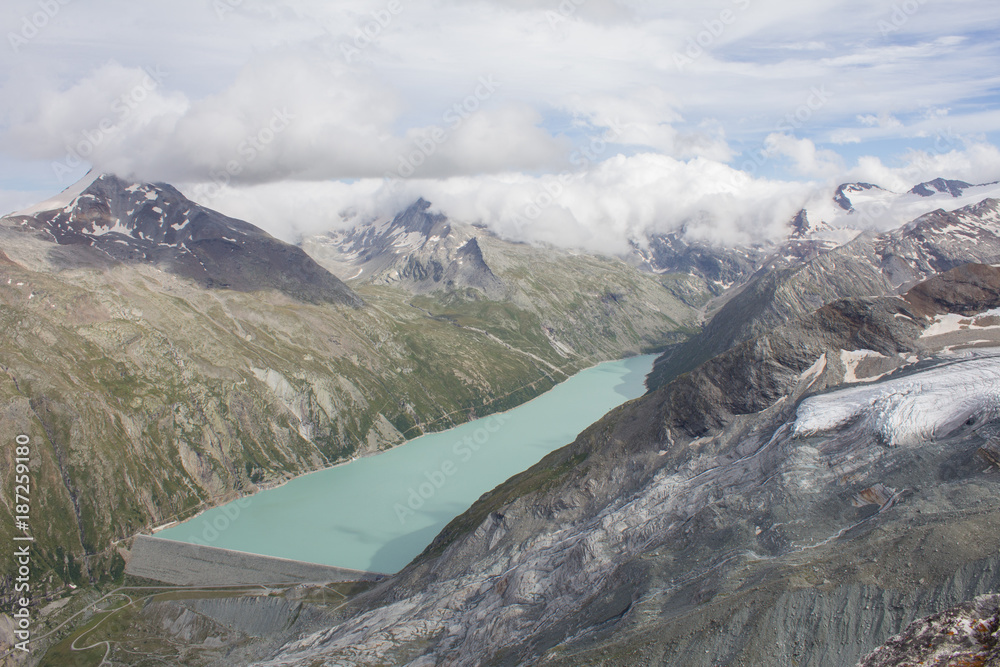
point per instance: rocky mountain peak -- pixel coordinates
(800, 224)
(939, 186)
(416, 219)
(423, 250)
(154, 223)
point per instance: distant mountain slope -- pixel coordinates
(778, 505)
(573, 300)
(719, 267)
(156, 224)
(417, 249)
(866, 205)
(940, 240)
(870, 265)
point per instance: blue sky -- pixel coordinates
(797, 96)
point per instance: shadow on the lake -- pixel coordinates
(397, 553)
(633, 383)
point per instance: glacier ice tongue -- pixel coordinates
(909, 409)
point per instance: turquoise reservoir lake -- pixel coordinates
(378, 513)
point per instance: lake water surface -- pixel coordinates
(378, 513)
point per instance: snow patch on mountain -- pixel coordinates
(952, 322)
(851, 359)
(814, 371)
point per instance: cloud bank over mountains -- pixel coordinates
(577, 122)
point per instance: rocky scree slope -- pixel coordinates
(757, 510)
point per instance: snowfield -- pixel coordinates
(951, 322)
(907, 410)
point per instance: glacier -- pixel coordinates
(909, 409)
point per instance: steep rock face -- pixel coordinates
(803, 228)
(718, 266)
(966, 634)
(968, 289)
(156, 224)
(471, 269)
(729, 517)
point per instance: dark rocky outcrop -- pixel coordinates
(941, 185)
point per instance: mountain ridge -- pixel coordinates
(869, 265)
(156, 224)
(730, 481)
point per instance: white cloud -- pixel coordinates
(883, 120)
(843, 136)
(598, 209)
(974, 163)
(806, 158)
(360, 107)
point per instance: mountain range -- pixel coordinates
(168, 358)
(813, 468)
